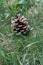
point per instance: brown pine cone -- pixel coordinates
(19, 24)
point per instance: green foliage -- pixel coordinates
(41, 0)
(21, 49)
(22, 2)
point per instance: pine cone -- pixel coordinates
(19, 24)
